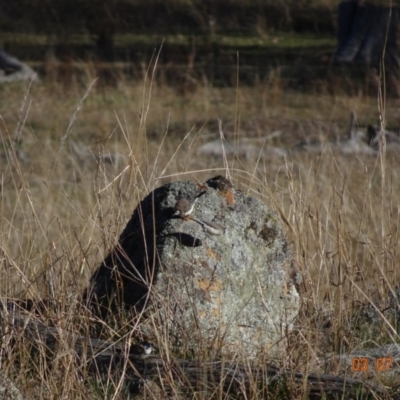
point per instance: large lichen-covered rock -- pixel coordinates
(232, 292)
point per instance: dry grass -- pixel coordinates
(63, 206)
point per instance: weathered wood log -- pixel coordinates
(11, 69)
(101, 358)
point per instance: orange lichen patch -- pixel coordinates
(230, 197)
(216, 312)
(286, 289)
(211, 254)
(205, 284)
(202, 314)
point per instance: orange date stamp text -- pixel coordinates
(363, 364)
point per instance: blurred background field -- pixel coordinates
(69, 150)
(121, 108)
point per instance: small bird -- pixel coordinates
(224, 187)
(211, 227)
(140, 351)
(185, 206)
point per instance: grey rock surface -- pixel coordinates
(232, 292)
(8, 390)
